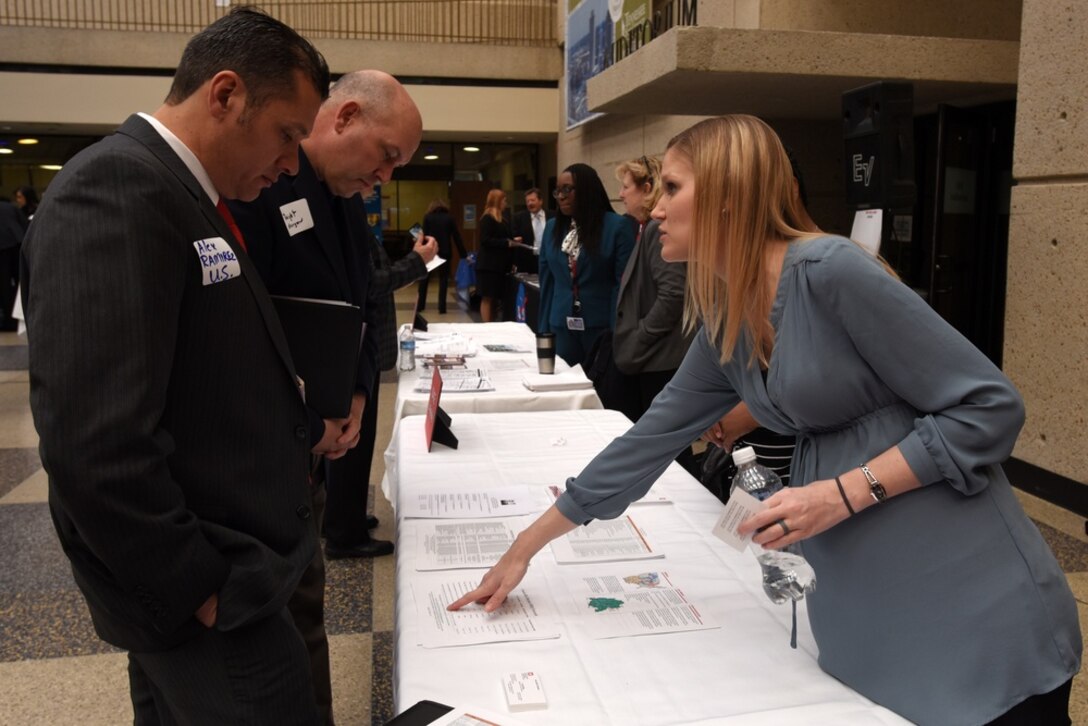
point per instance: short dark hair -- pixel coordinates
(535, 191)
(264, 52)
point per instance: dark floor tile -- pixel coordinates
(31, 560)
(349, 587)
(14, 358)
(15, 466)
(1072, 554)
(53, 625)
(381, 686)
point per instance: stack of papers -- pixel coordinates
(572, 380)
(468, 380)
(428, 346)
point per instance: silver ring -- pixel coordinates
(785, 529)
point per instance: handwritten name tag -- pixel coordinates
(297, 217)
(217, 260)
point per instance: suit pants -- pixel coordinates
(349, 481)
(256, 674)
(307, 608)
(443, 284)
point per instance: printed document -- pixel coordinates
(634, 603)
(454, 545)
(528, 613)
(446, 503)
(604, 540)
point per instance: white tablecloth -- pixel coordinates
(509, 394)
(744, 672)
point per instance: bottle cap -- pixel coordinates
(744, 455)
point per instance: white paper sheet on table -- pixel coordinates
(460, 544)
(651, 497)
(529, 613)
(604, 540)
(451, 344)
(572, 380)
(457, 380)
(442, 503)
(504, 364)
(474, 716)
(630, 602)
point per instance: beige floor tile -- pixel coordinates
(34, 490)
(15, 376)
(12, 339)
(16, 423)
(1060, 519)
(350, 662)
(87, 690)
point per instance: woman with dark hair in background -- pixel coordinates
(582, 259)
(26, 199)
(438, 223)
(493, 261)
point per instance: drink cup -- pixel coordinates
(545, 352)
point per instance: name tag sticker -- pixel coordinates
(576, 323)
(217, 260)
(297, 217)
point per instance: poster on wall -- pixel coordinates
(592, 26)
(373, 206)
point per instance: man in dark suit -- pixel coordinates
(308, 240)
(529, 226)
(12, 229)
(172, 427)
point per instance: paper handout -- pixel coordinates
(452, 545)
(604, 540)
(528, 613)
(639, 603)
(445, 503)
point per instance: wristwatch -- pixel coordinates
(876, 489)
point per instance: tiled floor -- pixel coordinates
(53, 670)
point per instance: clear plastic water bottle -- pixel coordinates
(407, 339)
(787, 576)
(753, 477)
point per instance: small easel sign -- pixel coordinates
(437, 427)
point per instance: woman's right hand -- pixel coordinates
(499, 581)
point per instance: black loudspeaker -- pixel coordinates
(878, 131)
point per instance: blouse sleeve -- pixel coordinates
(697, 396)
(970, 413)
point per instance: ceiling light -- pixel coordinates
(471, 148)
(28, 142)
(51, 167)
(430, 157)
(5, 150)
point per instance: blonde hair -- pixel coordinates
(643, 170)
(493, 206)
(744, 198)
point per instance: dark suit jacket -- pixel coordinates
(494, 255)
(650, 309)
(171, 424)
(523, 225)
(598, 276)
(389, 277)
(440, 225)
(325, 262)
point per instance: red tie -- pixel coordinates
(224, 212)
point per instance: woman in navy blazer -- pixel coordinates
(582, 259)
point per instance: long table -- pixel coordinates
(509, 394)
(742, 673)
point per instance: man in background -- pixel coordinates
(529, 225)
(308, 240)
(172, 426)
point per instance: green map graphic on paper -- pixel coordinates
(600, 604)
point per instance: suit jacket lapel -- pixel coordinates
(322, 207)
(142, 131)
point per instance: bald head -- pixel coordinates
(368, 126)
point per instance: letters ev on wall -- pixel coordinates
(878, 133)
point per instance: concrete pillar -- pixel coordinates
(1046, 319)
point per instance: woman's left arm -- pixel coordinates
(969, 414)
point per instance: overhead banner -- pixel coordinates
(592, 26)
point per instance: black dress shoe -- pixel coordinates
(371, 521)
(370, 548)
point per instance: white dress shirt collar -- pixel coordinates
(186, 155)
